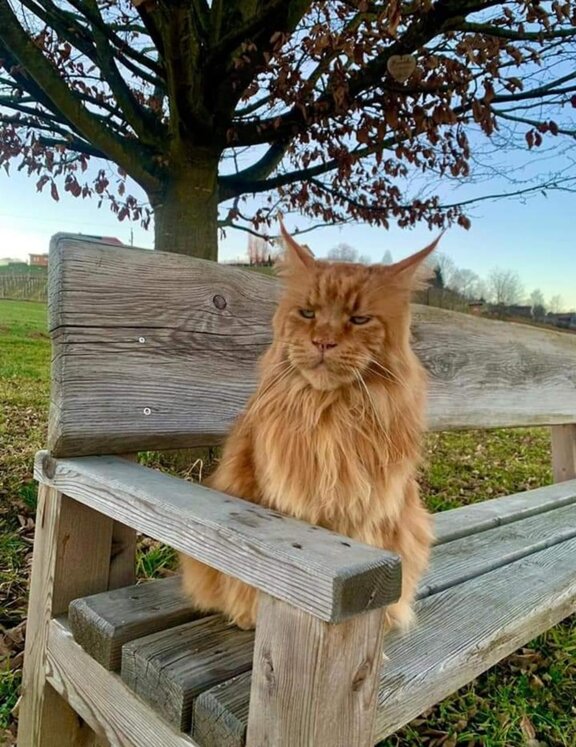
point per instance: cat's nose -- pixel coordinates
(323, 344)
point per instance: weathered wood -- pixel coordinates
(467, 629)
(102, 699)
(170, 668)
(123, 551)
(221, 713)
(563, 452)
(460, 633)
(103, 623)
(71, 558)
(122, 376)
(314, 683)
(474, 539)
(316, 570)
(122, 556)
(158, 669)
(478, 517)
(457, 561)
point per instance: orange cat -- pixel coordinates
(333, 433)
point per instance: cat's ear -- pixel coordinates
(295, 257)
(414, 271)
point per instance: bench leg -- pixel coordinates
(563, 452)
(72, 548)
(314, 683)
(123, 551)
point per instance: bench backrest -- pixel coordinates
(158, 351)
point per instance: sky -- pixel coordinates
(535, 237)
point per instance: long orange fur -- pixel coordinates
(333, 432)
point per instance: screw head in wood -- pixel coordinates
(141, 339)
(147, 411)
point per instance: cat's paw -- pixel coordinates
(244, 622)
(399, 616)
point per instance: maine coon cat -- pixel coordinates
(332, 434)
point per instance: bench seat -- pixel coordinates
(488, 591)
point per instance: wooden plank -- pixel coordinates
(495, 533)
(458, 561)
(221, 713)
(314, 683)
(123, 551)
(171, 668)
(461, 632)
(479, 517)
(316, 570)
(469, 628)
(101, 698)
(122, 371)
(122, 556)
(71, 558)
(158, 669)
(563, 452)
(103, 623)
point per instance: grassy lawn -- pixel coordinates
(528, 699)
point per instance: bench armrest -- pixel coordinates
(316, 570)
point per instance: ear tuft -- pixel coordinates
(296, 257)
(413, 271)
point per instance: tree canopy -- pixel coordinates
(205, 103)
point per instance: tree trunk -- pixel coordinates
(186, 211)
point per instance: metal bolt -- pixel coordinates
(147, 411)
(141, 339)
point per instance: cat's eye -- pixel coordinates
(307, 313)
(359, 319)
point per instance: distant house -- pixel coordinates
(106, 239)
(477, 307)
(38, 260)
(518, 311)
(566, 321)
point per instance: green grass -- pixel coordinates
(532, 692)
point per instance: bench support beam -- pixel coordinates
(71, 559)
(314, 682)
(563, 452)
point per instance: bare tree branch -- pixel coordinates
(126, 154)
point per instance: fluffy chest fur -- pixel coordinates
(330, 463)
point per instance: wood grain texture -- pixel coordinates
(313, 683)
(163, 671)
(103, 623)
(465, 630)
(479, 517)
(474, 540)
(563, 452)
(169, 669)
(221, 713)
(122, 556)
(460, 633)
(314, 569)
(71, 558)
(162, 365)
(101, 698)
(455, 562)
(123, 550)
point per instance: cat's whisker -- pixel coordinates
(375, 412)
(386, 370)
(272, 384)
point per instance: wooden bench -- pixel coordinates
(155, 351)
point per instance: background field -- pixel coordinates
(529, 699)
